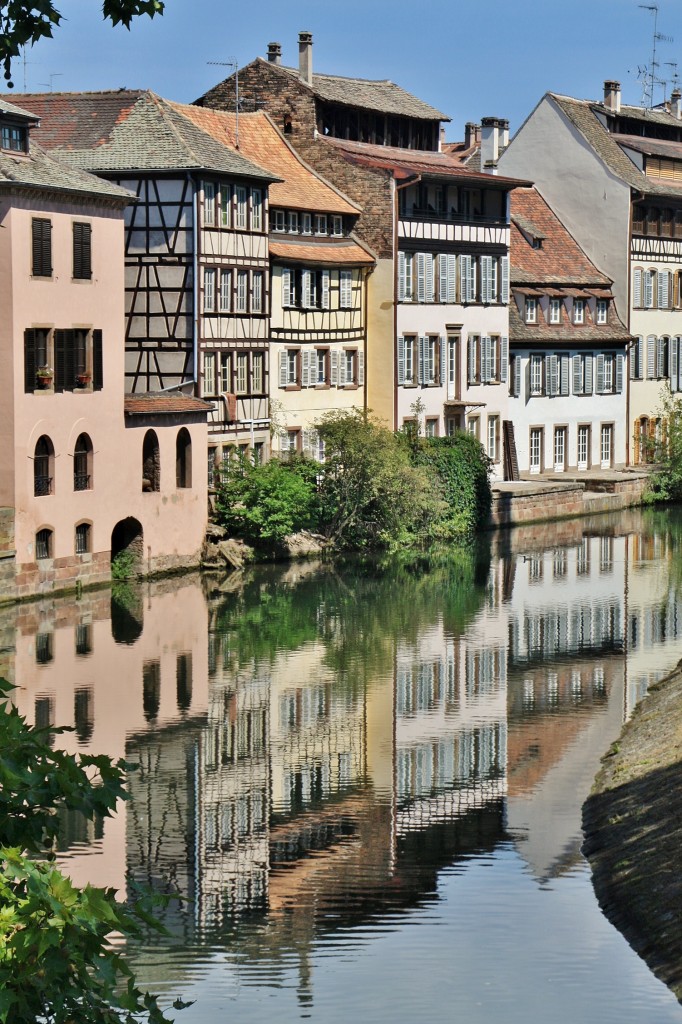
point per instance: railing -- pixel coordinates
(42, 485)
(81, 482)
(453, 217)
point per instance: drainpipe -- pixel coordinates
(195, 286)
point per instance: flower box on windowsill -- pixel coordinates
(45, 379)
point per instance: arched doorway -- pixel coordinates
(127, 549)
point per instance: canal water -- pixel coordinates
(363, 784)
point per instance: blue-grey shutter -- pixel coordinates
(282, 369)
(401, 277)
(421, 370)
(286, 287)
(472, 279)
(305, 368)
(660, 357)
(600, 374)
(504, 272)
(674, 363)
(464, 262)
(504, 359)
(649, 288)
(443, 347)
(443, 277)
(452, 278)
(565, 373)
(663, 289)
(637, 288)
(619, 372)
(588, 375)
(577, 384)
(517, 377)
(428, 277)
(486, 278)
(651, 357)
(324, 285)
(401, 360)
(471, 365)
(334, 368)
(633, 352)
(421, 277)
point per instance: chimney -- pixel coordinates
(494, 139)
(472, 134)
(676, 104)
(441, 138)
(612, 96)
(275, 53)
(305, 57)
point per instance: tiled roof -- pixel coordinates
(259, 140)
(582, 114)
(163, 403)
(565, 333)
(342, 253)
(41, 171)
(130, 130)
(653, 147)
(9, 108)
(404, 164)
(559, 260)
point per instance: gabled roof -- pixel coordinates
(381, 96)
(130, 130)
(405, 164)
(300, 188)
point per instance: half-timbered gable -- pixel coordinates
(317, 283)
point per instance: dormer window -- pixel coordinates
(337, 224)
(531, 311)
(320, 223)
(602, 311)
(14, 138)
(555, 311)
(579, 311)
(293, 222)
(277, 220)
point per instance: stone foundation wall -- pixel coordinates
(536, 504)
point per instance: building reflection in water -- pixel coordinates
(314, 747)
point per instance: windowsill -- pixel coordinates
(292, 387)
(43, 391)
(84, 389)
(349, 387)
(322, 387)
(82, 280)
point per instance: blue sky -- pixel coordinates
(469, 59)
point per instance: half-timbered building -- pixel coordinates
(197, 295)
(318, 284)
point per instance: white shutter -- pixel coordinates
(464, 263)
(346, 288)
(651, 357)
(619, 372)
(472, 279)
(553, 375)
(649, 289)
(640, 358)
(633, 359)
(485, 359)
(342, 369)
(517, 377)
(430, 294)
(401, 277)
(306, 288)
(663, 290)
(282, 369)
(486, 278)
(287, 282)
(305, 369)
(443, 277)
(452, 278)
(306, 442)
(361, 368)
(504, 285)
(421, 277)
(504, 359)
(401, 360)
(637, 288)
(565, 373)
(600, 373)
(577, 384)
(471, 364)
(588, 375)
(674, 363)
(660, 357)
(443, 348)
(421, 365)
(334, 368)
(325, 290)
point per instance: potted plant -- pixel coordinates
(83, 379)
(45, 376)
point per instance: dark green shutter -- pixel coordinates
(41, 239)
(97, 363)
(30, 367)
(82, 251)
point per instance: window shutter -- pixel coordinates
(464, 263)
(283, 369)
(472, 279)
(443, 278)
(637, 288)
(486, 278)
(663, 290)
(334, 368)
(346, 288)
(619, 372)
(640, 358)
(401, 277)
(401, 360)
(600, 373)
(651, 357)
(342, 369)
(452, 278)
(41, 239)
(504, 359)
(306, 442)
(588, 375)
(565, 373)
(430, 294)
(660, 357)
(577, 389)
(306, 288)
(421, 277)
(649, 288)
(64, 372)
(97, 361)
(30, 361)
(471, 364)
(504, 271)
(517, 377)
(324, 285)
(286, 287)
(674, 363)
(634, 351)
(361, 367)
(443, 349)
(305, 369)
(421, 369)
(485, 367)
(554, 375)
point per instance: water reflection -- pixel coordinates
(319, 751)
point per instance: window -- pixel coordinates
(293, 222)
(337, 225)
(531, 310)
(289, 443)
(44, 543)
(83, 638)
(288, 367)
(409, 345)
(36, 356)
(583, 447)
(606, 445)
(83, 538)
(241, 384)
(257, 292)
(278, 221)
(211, 466)
(209, 374)
(306, 223)
(43, 467)
(242, 290)
(536, 449)
(14, 138)
(579, 311)
(602, 311)
(183, 459)
(209, 203)
(41, 247)
(82, 251)
(256, 210)
(431, 428)
(75, 357)
(555, 311)
(349, 358)
(321, 224)
(559, 449)
(225, 205)
(493, 438)
(474, 426)
(345, 289)
(609, 373)
(429, 361)
(582, 374)
(209, 289)
(151, 462)
(405, 270)
(320, 368)
(536, 382)
(257, 364)
(425, 277)
(240, 219)
(82, 464)
(225, 297)
(488, 359)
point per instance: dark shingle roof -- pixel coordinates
(131, 130)
(565, 333)
(163, 403)
(41, 171)
(17, 112)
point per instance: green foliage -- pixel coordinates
(666, 480)
(463, 470)
(23, 24)
(123, 565)
(55, 962)
(371, 496)
(262, 504)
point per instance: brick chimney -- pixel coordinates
(676, 104)
(305, 57)
(612, 96)
(494, 140)
(275, 53)
(472, 134)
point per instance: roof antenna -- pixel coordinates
(232, 63)
(49, 85)
(657, 38)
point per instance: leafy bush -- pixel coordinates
(463, 470)
(262, 504)
(123, 565)
(666, 450)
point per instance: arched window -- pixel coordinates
(83, 538)
(151, 462)
(82, 464)
(43, 466)
(183, 459)
(44, 540)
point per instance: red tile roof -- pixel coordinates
(341, 253)
(163, 403)
(260, 141)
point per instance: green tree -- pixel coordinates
(23, 24)
(55, 962)
(665, 449)
(463, 469)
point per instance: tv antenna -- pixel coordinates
(651, 79)
(232, 63)
(49, 85)
(24, 63)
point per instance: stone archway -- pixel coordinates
(127, 548)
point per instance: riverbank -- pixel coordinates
(633, 831)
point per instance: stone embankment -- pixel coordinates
(633, 831)
(540, 499)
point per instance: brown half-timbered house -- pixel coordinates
(197, 298)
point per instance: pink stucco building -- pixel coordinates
(85, 472)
